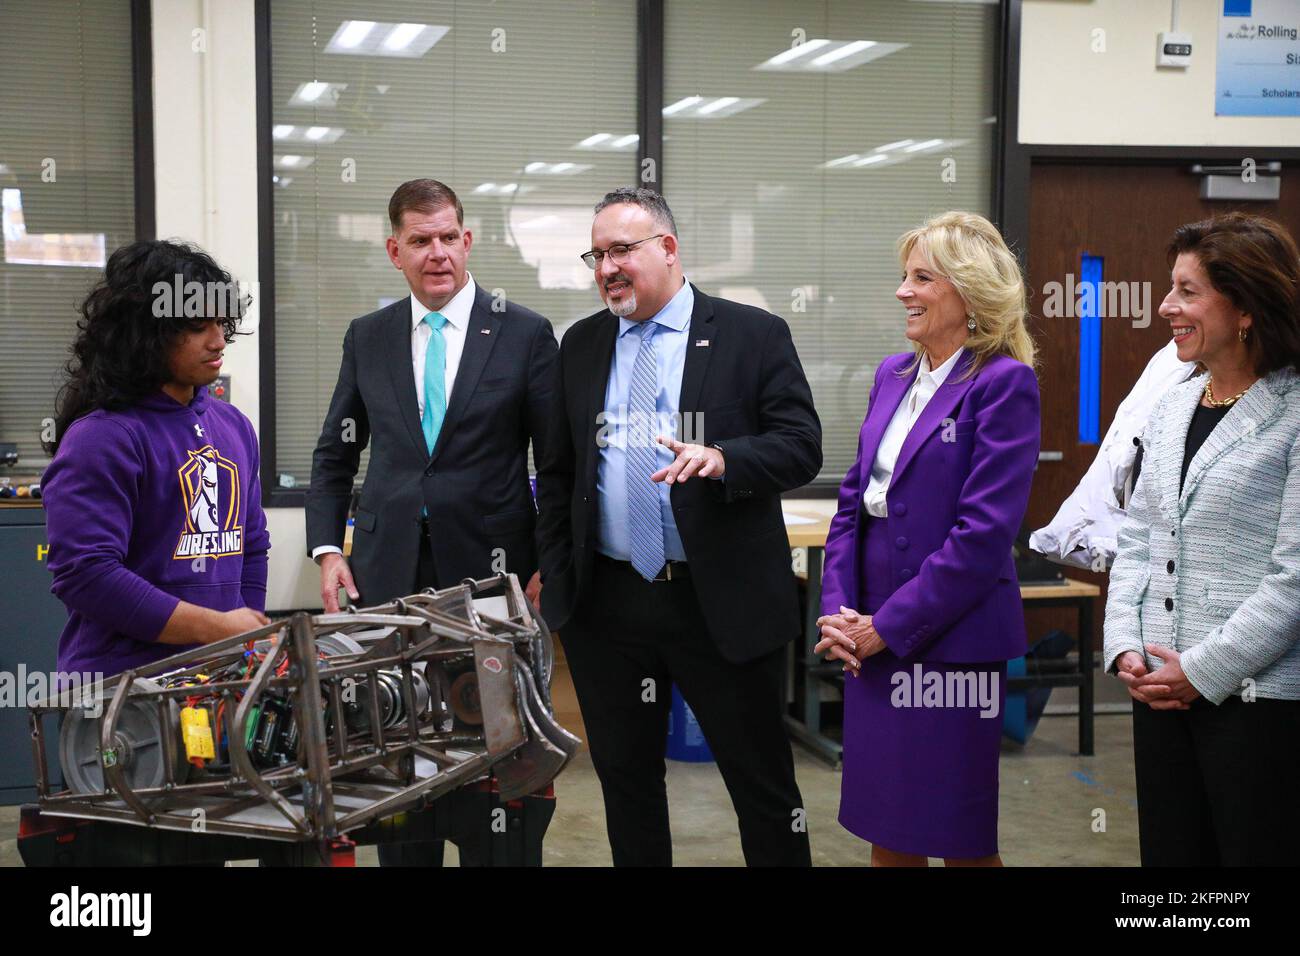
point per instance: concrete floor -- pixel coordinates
(1050, 799)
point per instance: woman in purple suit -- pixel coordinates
(920, 598)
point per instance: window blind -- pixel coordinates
(526, 109)
(800, 141)
(67, 184)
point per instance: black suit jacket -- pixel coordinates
(743, 376)
(475, 485)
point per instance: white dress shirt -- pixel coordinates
(453, 333)
(905, 416)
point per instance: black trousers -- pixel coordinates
(626, 645)
(421, 853)
(1219, 785)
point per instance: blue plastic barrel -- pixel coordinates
(685, 738)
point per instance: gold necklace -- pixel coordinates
(1220, 403)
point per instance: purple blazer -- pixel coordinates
(956, 501)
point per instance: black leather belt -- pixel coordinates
(671, 571)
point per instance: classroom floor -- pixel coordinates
(1050, 799)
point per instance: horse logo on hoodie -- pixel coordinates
(210, 492)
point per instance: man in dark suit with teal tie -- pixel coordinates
(447, 386)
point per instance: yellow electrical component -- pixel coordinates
(197, 733)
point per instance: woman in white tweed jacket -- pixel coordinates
(1203, 612)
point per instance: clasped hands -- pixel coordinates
(849, 637)
(1165, 688)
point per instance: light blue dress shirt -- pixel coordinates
(674, 321)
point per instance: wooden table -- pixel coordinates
(811, 671)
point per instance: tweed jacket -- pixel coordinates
(1214, 572)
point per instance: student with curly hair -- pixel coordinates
(153, 507)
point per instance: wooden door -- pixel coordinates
(1126, 214)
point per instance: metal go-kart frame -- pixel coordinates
(328, 722)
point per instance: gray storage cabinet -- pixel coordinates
(31, 619)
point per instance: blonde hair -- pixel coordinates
(968, 251)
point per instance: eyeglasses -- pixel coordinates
(617, 253)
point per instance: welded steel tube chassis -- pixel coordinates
(343, 778)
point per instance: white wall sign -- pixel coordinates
(1258, 69)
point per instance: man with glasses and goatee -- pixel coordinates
(679, 421)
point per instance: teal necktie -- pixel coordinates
(435, 381)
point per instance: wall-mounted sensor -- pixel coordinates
(1174, 49)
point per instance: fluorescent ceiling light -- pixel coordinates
(870, 160)
(373, 38)
(294, 161)
(925, 144)
(842, 161)
(711, 107)
(608, 141)
(402, 36)
(857, 46)
(352, 32)
(498, 189)
(795, 52)
(683, 104)
(888, 147)
(317, 94)
(556, 169)
(314, 135)
(832, 56)
(721, 103)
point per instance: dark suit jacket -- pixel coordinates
(475, 485)
(743, 375)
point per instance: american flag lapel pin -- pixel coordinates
(701, 343)
(485, 331)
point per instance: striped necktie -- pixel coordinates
(645, 525)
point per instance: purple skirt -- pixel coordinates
(921, 741)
